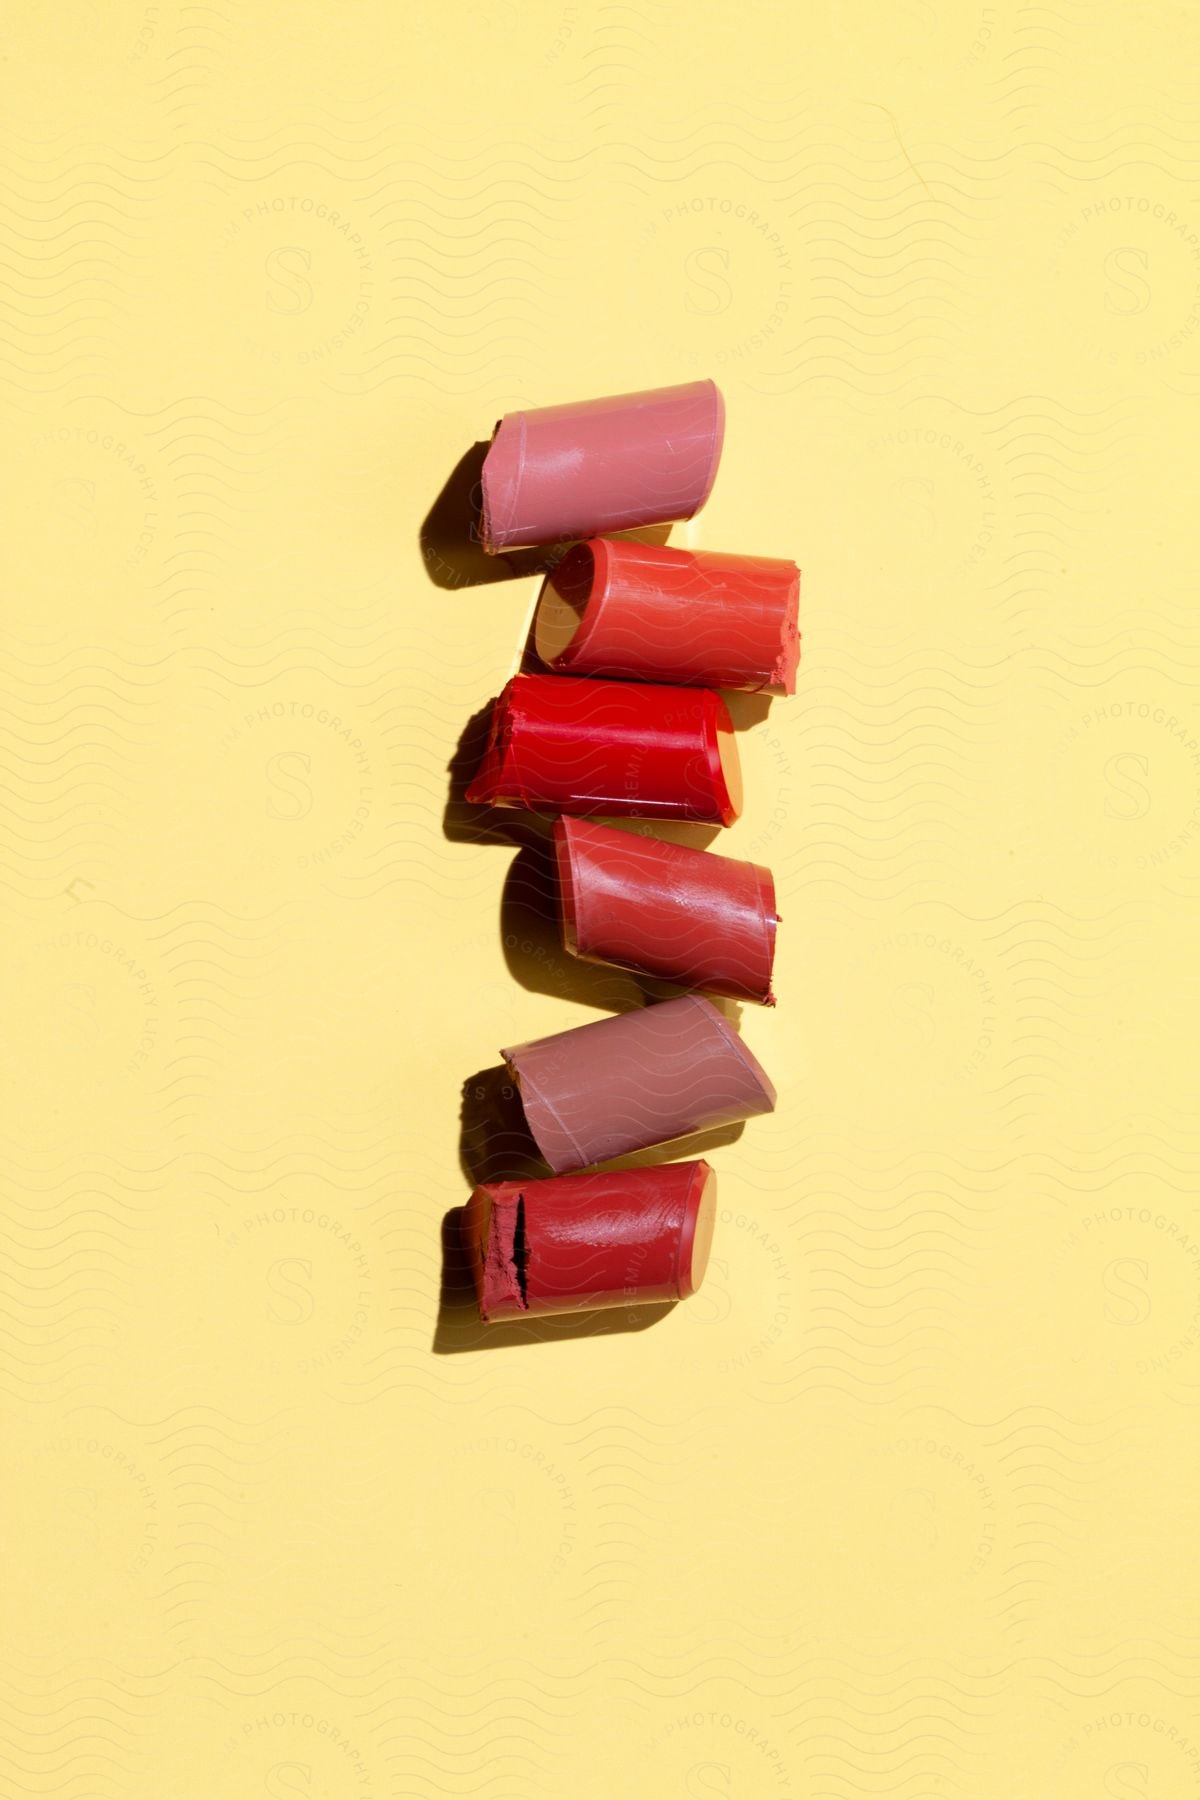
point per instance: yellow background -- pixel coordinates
(898, 1504)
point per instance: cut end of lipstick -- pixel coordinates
(563, 605)
(695, 1244)
(718, 442)
(783, 675)
(730, 764)
(770, 918)
(486, 786)
(556, 1144)
(499, 480)
(744, 1054)
(497, 1245)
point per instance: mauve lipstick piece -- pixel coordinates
(647, 612)
(610, 749)
(682, 915)
(593, 466)
(581, 1242)
(641, 1078)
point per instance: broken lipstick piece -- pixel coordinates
(643, 1077)
(646, 612)
(591, 466)
(578, 1242)
(559, 744)
(665, 910)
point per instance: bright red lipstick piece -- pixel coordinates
(579, 1242)
(592, 466)
(647, 612)
(641, 1078)
(662, 909)
(561, 744)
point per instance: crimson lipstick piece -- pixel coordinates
(579, 1242)
(647, 612)
(641, 1078)
(593, 466)
(612, 749)
(661, 909)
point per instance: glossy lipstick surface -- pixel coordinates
(578, 1242)
(645, 612)
(641, 1078)
(598, 749)
(592, 466)
(681, 915)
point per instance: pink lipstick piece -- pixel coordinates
(644, 1077)
(610, 749)
(578, 1242)
(681, 915)
(646, 612)
(592, 466)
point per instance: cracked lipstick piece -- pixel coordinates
(578, 1242)
(643, 1077)
(647, 612)
(610, 749)
(591, 466)
(662, 909)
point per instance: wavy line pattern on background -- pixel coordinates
(897, 1503)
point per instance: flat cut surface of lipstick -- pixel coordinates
(610, 464)
(631, 1238)
(643, 1077)
(647, 612)
(665, 910)
(613, 749)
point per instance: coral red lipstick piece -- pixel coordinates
(579, 1242)
(592, 466)
(611, 749)
(661, 909)
(647, 612)
(644, 1077)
